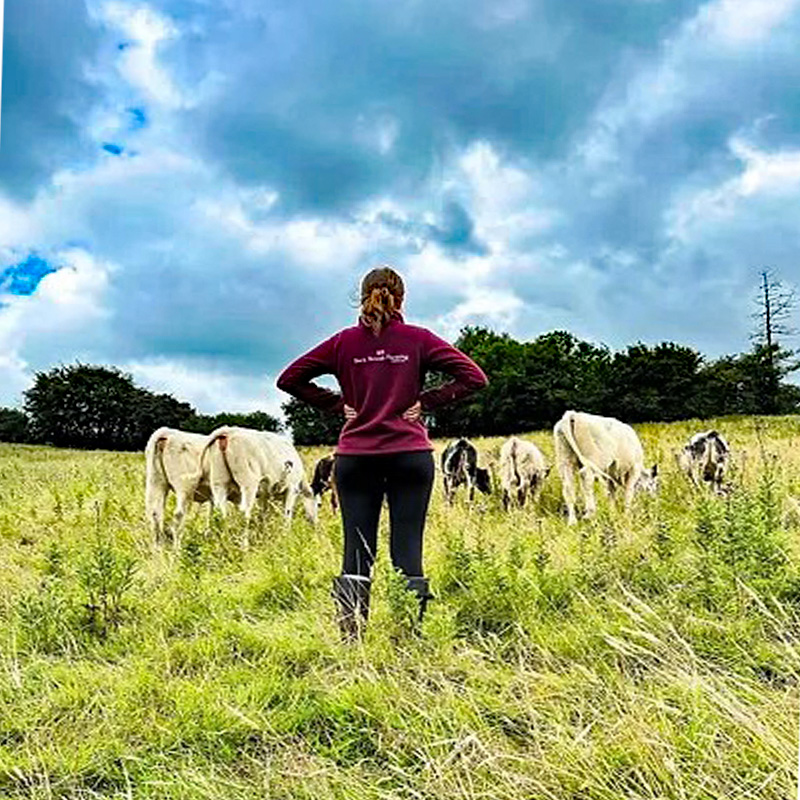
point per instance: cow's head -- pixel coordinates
(648, 480)
(323, 475)
(483, 480)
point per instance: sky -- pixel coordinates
(191, 189)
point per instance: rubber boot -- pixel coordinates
(421, 588)
(351, 593)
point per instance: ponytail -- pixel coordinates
(382, 293)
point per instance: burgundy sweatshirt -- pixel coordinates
(381, 377)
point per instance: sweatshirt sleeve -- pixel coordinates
(467, 376)
(297, 378)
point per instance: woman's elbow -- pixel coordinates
(479, 381)
(284, 383)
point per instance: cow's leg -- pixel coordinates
(719, 474)
(449, 489)
(183, 500)
(249, 490)
(536, 490)
(310, 507)
(219, 495)
(155, 501)
(522, 494)
(471, 487)
(630, 488)
(506, 499)
(568, 488)
(289, 503)
(587, 484)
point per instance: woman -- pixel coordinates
(383, 448)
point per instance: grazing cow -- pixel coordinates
(173, 463)
(260, 464)
(599, 448)
(460, 465)
(705, 459)
(323, 480)
(522, 470)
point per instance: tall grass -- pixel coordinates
(644, 656)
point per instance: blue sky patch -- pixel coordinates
(138, 118)
(25, 277)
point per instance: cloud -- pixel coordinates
(213, 179)
(208, 390)
(144, 32)
(62, 320)
(420, 82)
(47, 92)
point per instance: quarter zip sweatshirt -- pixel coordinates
(381, 377)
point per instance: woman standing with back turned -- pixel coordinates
(383, 448)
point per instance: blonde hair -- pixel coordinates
(382, 293)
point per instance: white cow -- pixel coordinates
(173, 463)
(522, 470)
(599, 448)
(259, 464)
(705, 459)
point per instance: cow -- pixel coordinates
(523, 469)
(599, 448)
(460, 465)
(173, 463)
(324, 479)
(260, 465)
(705, 459)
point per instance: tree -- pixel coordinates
(97, 407)
(257, 420)
(311, 426)
(150, 411)
(14, 426)
(654, 383)
(775, 305)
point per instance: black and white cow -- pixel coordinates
(705, 459)
(460, 466)
(323, 480)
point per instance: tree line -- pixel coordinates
(97, 407)
(531, 384)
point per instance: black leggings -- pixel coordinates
(361, 482)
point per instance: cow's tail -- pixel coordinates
(514, 466)
(219, 438)
(569, 434)
(154, 454)
(155, 475)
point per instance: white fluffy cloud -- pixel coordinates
(68, 314)
(523, 171)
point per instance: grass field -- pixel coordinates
(654, 656)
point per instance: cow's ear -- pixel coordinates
(654, 471)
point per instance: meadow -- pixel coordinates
(653, 655)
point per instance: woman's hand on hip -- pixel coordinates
(349, 413)
(414, 413)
